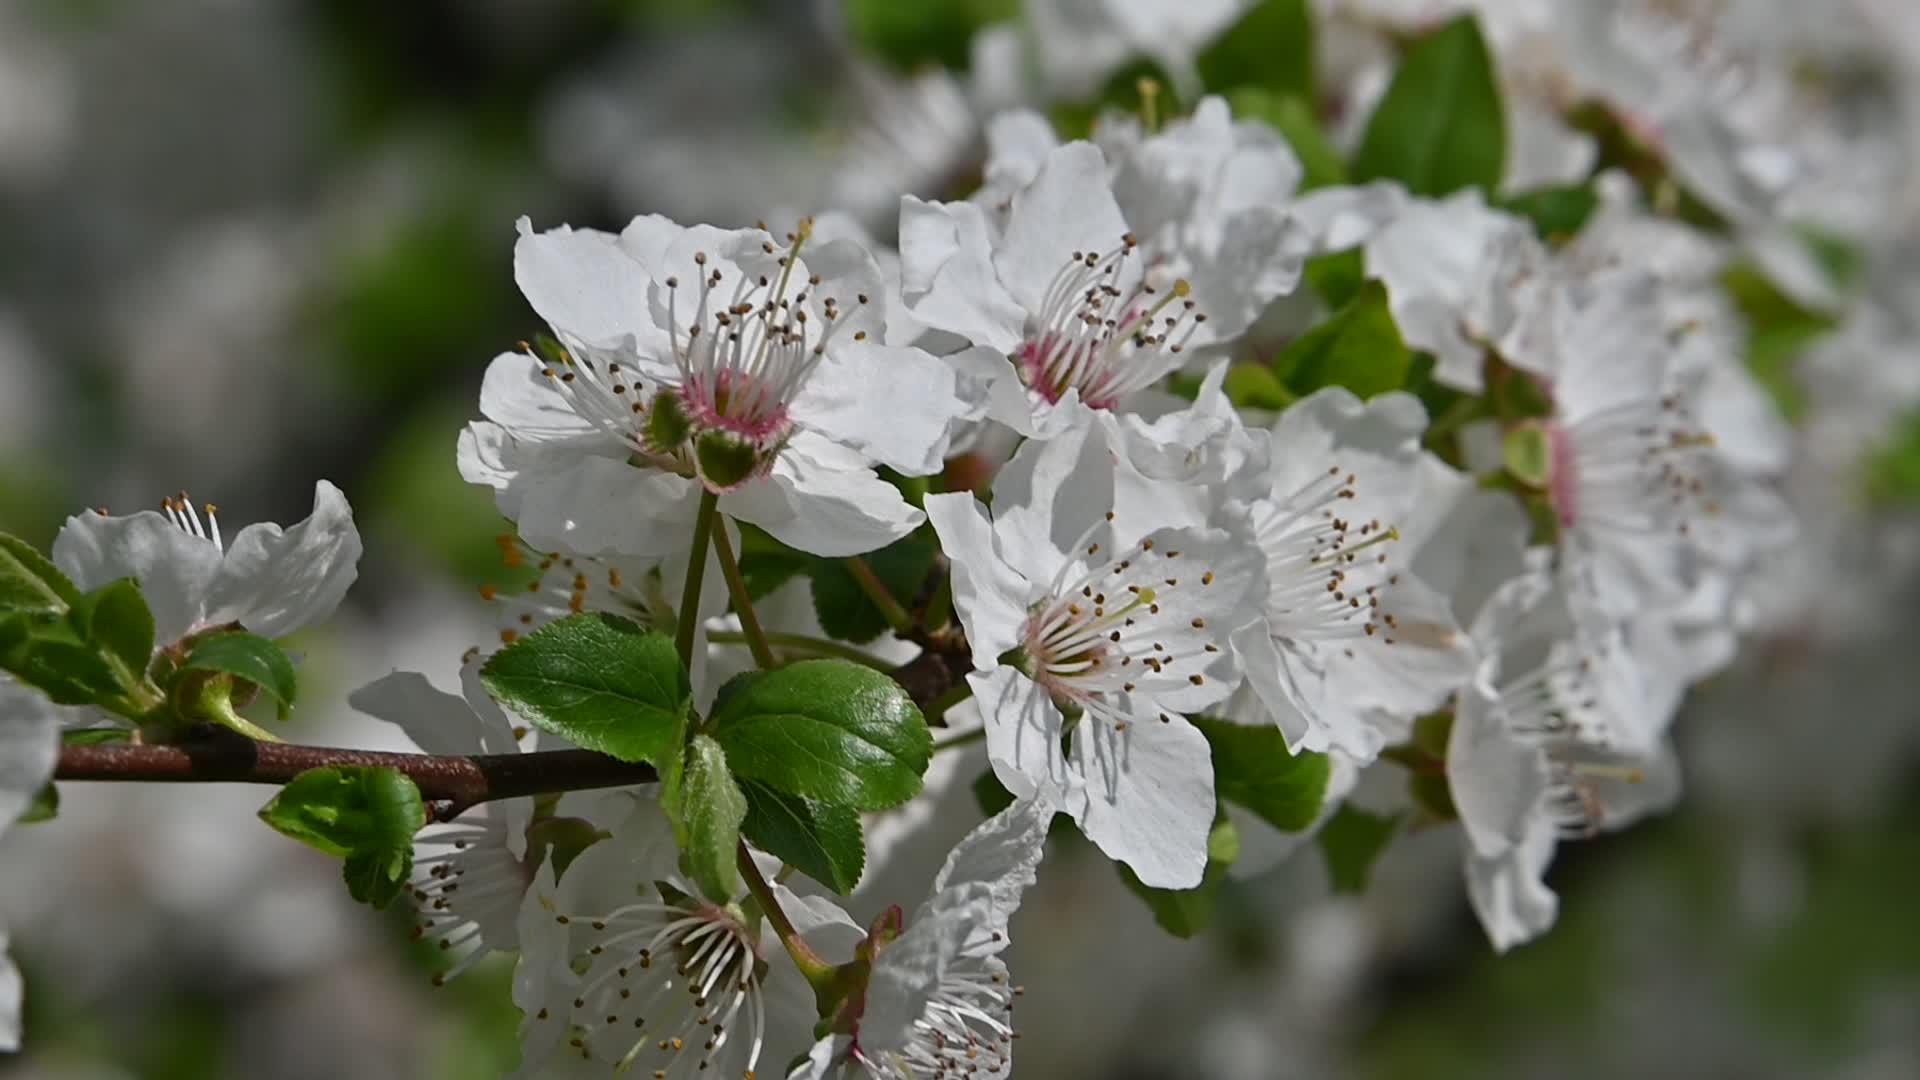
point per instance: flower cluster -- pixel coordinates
(1190, 471)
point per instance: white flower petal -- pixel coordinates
(947, 278)
(275, 582)
(896, 405)
(1068, 209)
(1145, 796)
(824, 500)
(990, 595)
(517, 396)
(12, 992)
(29, 747)
(1509, 892)
(582, 283)
(436, 721)
(604, 506)
(1023, 734)
(1498, 782)
(174, 568)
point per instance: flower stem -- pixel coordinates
(696, 569)
(819, 973)
(803, 643)
(877, 591)
(938, 707)
(742, 603)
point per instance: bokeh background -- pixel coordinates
(249, 244)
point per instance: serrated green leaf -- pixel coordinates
(1270, 47)
(249, 657)
(1556, 212)
(44, 807)
(1440, 126)
(115, 619)
(831, 730)
(821, 841)
(1320, 162)
(1350, 841)
(366, 814)
(30, 582)
(1252, 768)
(844, 610)
(69, 673)
(710, 812)
(599, 680)
(1359, 348)
(1185, 912)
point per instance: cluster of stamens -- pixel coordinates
(1560, 706)
(1101, 633)
(1104, 330)
(1638, 467)
(465, 880)
(746, 353)
(567, 584)
(664, 985)
(180, 510)
(966, 1030)
(1325, 581)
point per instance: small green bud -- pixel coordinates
(667, 425)
(725, 460)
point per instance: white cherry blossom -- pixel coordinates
(939, 999)
(1348, 631)
(625, 967)
(1096, 615)
(1562, 733)
(728, 359)
(268, 580)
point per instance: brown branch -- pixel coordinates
(454, 783)
(459, 782)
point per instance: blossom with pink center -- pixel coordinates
(690, 358)
(1098, 613)
(1085, 309)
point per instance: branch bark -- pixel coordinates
(453, 783)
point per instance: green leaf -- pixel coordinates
(1185, 912)
(1320, 162)
(1337, 275)
(250, 658)
(1557, 213)
(1252, 767)
(44, 807)
(115, 619)
(711, 808)
(830, 730)
(1358, 348)
(1271, 47)
(1780, 330)
(69, 673)
(766, 563)
(366, 814)
(1350, 841)
(822, 841)
(1432, 793)
(909, 36)
(600, 681)
(843, 607)
(30, 582)
(1256, 385)
(1891, 472)
(1440, 126)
